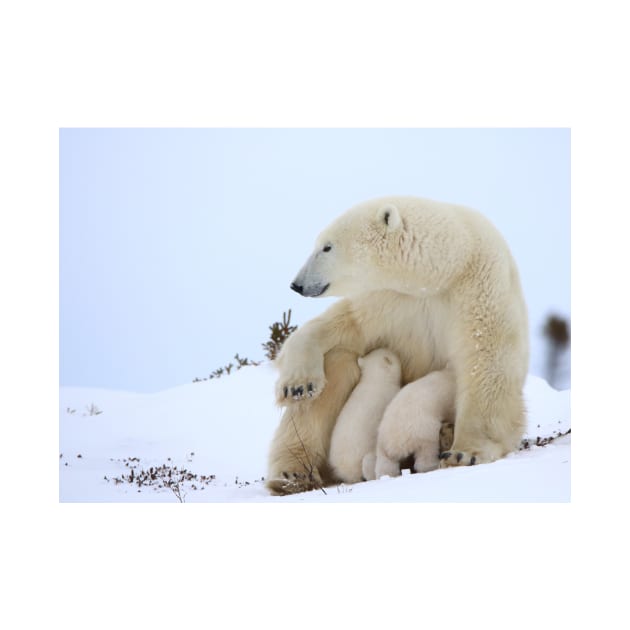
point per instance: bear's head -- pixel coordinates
(354, 254)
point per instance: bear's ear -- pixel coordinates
(389, 216)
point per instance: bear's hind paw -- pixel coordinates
(295, 482)
(457, 458)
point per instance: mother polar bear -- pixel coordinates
(436, 284)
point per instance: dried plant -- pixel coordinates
(227, 369)
(280, 331)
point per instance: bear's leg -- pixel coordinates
(485, 434)
(491, 338)
(302, 373)
(368, 466)
(418, 443)
(426, 456)
(386, 466)
(299, 450)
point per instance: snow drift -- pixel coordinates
(208, 441)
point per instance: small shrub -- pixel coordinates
(227, 369)
(161, 477)
(280, 331)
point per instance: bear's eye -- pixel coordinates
(327, 248)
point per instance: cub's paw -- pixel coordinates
(293, 390)
(458, 458)
(294, 482)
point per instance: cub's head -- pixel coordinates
(382, 364)
(356, 253)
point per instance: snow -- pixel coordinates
(220, 431)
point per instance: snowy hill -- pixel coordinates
(208, 441)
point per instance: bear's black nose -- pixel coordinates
(298, 288)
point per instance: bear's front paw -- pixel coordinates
(458, 458)
(290, 390)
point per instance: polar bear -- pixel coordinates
(436, 284)
(354, 433)
(411, 426)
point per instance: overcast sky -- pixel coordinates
(177, 246)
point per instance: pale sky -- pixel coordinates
(177, 246)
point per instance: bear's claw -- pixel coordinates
(457, 458)
(302, 391)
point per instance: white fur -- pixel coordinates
(411, 425)
(354, 434)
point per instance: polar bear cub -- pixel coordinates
(356, 429)
(411, 425)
